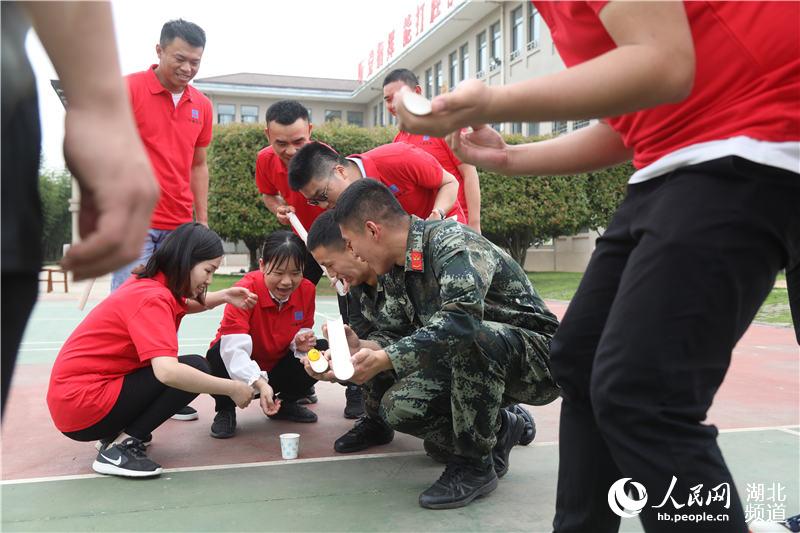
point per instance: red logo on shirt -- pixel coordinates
(416, 260)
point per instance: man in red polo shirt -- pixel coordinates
(416, 179)
(469, 187)
(174, 121)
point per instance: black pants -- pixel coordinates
(144, 403)
(793, 289)
(311, 270)
(288, 377)
(645, 343)
(19, 296)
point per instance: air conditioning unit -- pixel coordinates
(480, 74)
(514, 55)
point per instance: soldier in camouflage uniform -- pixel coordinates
(481, 338)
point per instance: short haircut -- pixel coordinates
(401, 74)
(286, 112)
(188, 31)
(189, 244)
(325, 232)
(312, 160)
(367, 199)
(283, 247)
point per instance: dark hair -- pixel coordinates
(367, 199)
(189, 244)
(401, 74)
(281, 247)
(313, 160)
(188, 31)
(286, 112)
(325, 232)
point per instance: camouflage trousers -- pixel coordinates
(454, 400)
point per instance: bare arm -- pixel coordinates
(199, 184)
(278, 207)
(446, 196)
(653, 64)
(472, 194)
(236, 296)
(102, 148)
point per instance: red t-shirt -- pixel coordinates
(271, 329)
(440, 150)
(170, 135)
(272, 177)
(413, 175)
(132, 325)
(747, 78)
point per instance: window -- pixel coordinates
(559, 127)
(578, 124)
(226, 113)
(249, 113)
(331, 115)
(428, 83)
(533, 129)
(309, 115)
(496, 126)
(464, 53)
(438, 77)
(375, 115)
(533, 27)
(481, 60)
(516, 127)
(516, 32)
(453, 78)
(497, 46)
(356, 118)
(380, 115)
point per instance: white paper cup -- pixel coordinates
(290, 445)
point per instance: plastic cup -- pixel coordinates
(290, 445)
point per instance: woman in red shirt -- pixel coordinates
(118, 376)
(260, 346)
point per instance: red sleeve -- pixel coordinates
(235, 320)
(418, 168)
(152, 329)
(204, 139)
(263, 181)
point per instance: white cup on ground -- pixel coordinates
(290, 445)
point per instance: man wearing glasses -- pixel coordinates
(416, 179)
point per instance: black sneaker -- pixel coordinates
(355, 402)
(366, 432)
(511, 428)
(102, 444)
(224, 425)
(309, 398)
(186, 413)
(460, 483)
(438, 453)
(530, 426)
(295, 412)
(126, 459)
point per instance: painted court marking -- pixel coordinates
(790, 429)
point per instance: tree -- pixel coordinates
(55, 189)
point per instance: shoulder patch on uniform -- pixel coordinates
(416, 260)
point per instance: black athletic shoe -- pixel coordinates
(102, 444)
(224, 425)
(310, 397)
(530, 426)
(127, 459)
(295, 412)
(436, 452)
(511, 428)
(366, 432)
(355, 402)
(186, 413)
(460, 483)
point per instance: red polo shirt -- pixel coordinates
(272, 329)
(170, 134)
(272, 177)
(135, 323)
(413, 176)
(747, 74)
(440, 150)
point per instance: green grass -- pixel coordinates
(562, 286)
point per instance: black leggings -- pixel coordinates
(19, 297)
(144, 403)
(288, 377)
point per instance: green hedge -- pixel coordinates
(516, 213)
(55, 189)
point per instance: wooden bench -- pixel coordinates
(49, 271)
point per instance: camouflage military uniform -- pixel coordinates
(481, 339)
